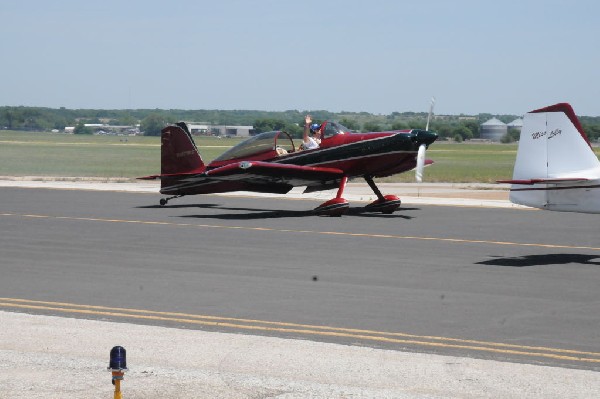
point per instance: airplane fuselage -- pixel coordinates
(357, 154)
(370, 154)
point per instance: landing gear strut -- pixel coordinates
(164, 201)
(336, 206)
(385, 204)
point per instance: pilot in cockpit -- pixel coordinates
(308, 142)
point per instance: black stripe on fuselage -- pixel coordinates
(361, 149)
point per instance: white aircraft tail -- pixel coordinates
(556, 168)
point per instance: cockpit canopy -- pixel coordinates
(260, 144)
(270, 143)
(334, 128)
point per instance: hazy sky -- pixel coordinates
(474, 56)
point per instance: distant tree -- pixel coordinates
(511, 135)
(153, 124)
(123, 120)
(458, 138)
(592, 131)
(268, 125)
(82, 129)
(294, 130)
(60, 123)
(8, 118)
(442, 129)
(350, 124)
(484, 117)
(372, 127)
(400, 125)
(420, 124)
(472, 125)
(463, 131)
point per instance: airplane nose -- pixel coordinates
(424, 136)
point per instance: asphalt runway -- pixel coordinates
(504, 284)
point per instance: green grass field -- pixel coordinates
(65, 155)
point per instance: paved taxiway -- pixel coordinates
(491, 283)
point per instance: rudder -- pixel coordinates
(179, 153)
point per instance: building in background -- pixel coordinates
(493, 130)
(201, 128)
(517, 124)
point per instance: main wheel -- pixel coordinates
(389, 204)
(333, 207)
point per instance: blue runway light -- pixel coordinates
(118, 359)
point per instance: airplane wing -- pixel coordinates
(250, 176)
(257, 172)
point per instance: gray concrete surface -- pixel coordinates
(52, 357)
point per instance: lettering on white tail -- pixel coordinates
(553, 133)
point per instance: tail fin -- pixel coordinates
(553, 145)
(555, 153)
(179, 153)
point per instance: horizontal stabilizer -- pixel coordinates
(545, 181)
(158, 177)
(153, 177)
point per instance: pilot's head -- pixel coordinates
(315, 128)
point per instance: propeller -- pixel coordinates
(430, 112)
(420, 163)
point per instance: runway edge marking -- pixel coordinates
(283, 327)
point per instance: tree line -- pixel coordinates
(151, 121)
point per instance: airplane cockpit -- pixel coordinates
(262, 146)
(268, 145)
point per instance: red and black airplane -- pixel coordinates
(270, 163)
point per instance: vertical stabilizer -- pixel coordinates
(553, 145)
(179, 153)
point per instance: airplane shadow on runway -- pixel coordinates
(542, 260)
(254, 213)
(166, 207)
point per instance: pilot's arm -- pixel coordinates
(307, 122)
